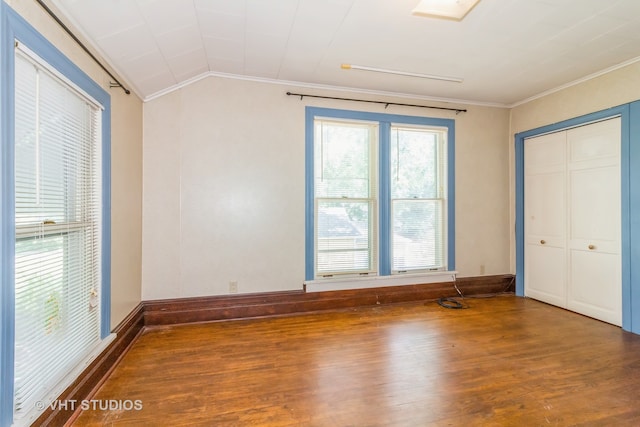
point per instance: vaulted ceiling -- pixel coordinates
(505, 51)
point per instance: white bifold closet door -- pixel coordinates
(572, 220)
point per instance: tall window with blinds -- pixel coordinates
(57, 229)
(381, 199)
(345, 197)
(418, 189)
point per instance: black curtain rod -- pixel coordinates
(386, 104)
(73, 36)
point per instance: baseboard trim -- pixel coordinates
(503, 283)
(226, 307)
(96, 373)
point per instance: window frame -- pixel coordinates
(14, 28)
(385, 122)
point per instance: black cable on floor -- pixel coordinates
(453, 303)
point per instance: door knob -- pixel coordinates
(591, 247)
(542, 242)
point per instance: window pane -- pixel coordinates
(414, 163)
(417, 234)
(53, 309)
(54, 164)
(342, 160)
(344, 238)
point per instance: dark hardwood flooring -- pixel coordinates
(504, 361)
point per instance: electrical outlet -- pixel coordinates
(233, 287)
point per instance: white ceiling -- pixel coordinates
(505, 50)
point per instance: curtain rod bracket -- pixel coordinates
(114, 84)
(386, 104)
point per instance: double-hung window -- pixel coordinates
(345, 181)
(379, 194)
(55, 219)
(418, 185)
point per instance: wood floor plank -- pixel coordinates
(503, 361)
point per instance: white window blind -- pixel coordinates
(418, 171)
(58, 208)
(345, 181)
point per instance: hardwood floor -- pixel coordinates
(504, 361)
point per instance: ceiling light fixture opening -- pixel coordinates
(401, 73)
(454, 10)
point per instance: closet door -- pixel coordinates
(594, 228)
(545, 208)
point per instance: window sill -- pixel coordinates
(344, 283)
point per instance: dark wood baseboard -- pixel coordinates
(225, 307)
(92, 377)
(487, 284)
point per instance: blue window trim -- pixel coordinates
(14, 27)
(384, 236)
(630, 198)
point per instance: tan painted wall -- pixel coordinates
(609, 90)
(126, 152)
(224, 187)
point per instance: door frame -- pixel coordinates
(630, 202)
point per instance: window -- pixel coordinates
(345, 195)
(379, 194)
(55, 251)
(418, 184)
(57, 217)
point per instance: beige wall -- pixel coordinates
(126, 183)
(224, 187)
(615, 88)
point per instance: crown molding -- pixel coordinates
(576, 82)
(321, 87)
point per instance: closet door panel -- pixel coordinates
(595, 288)
(545, 152)
(546, 274)
(594, 141)
(594, 237)
(595, 209)
(545, 219)
(545, 201)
